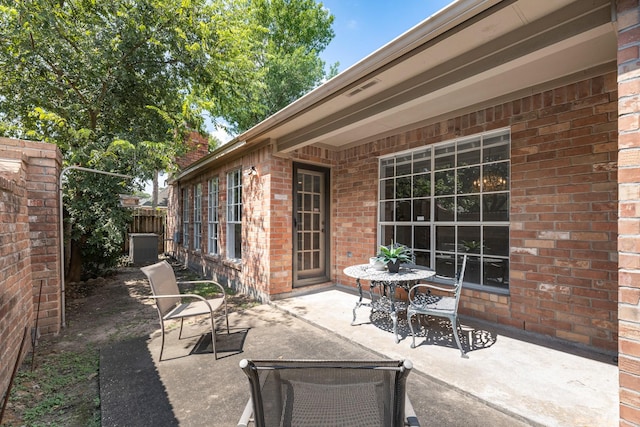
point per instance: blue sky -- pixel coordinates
(363, 26)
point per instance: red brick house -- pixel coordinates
(503, 129)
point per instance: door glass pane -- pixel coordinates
(403, 236)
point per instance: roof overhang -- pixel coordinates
(470, 54)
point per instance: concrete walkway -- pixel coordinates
(540, 381)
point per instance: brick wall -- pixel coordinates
(563, 266)
(16, 296)
(629, 208)
(29, 248)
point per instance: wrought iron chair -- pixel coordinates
(305, 393)
(169, 300)
(423, 302)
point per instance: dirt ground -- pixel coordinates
(62, 389)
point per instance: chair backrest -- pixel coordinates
(327, 393)
(163, 282)
(460, 279)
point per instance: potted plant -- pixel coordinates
(394, 255)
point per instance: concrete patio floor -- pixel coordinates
(507, 381)
(539, 380)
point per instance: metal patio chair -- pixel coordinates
(317, 393)
(170, 305)
(423, 302)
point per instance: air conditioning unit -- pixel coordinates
(143, 248)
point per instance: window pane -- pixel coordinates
(422, 210)
(495, 177)
(386, 168)
(445, 239)
(386, 235)
(469, 239)
(445, 182)
(422, 161)
(445, 209)
(403, 165)
(496, 148)
(496, 241)
(403, 210)
(445, 156)
(422, 185)
(386, 189)
(422, 238)
(469, 152)
(386, 211)
(468, 180)
(403, 236)
(403, 188)
(495, 207)
(496, 272)
(238, 241)
(469, 208)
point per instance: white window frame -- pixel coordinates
(213, 221)
(197, 217)
(185, 217)
(411, 165)
(234, 214)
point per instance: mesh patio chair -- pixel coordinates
(170, 305)
(317, 393)
(423, 302)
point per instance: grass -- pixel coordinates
(60, 391)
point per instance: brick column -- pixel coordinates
(629, 210)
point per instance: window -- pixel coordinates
(185, 217)
(212, 215)
(449, 199)
(234, 214)
(197, 217)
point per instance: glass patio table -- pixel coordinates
(388, 283)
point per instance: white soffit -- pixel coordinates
(530, 41)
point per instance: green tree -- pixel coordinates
(292, 35)
(114, 85)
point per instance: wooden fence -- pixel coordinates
(148, 220)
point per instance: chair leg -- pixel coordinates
(213, 336)
(456, 335)
(181, 324)
(413, 334)
(162, 340)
